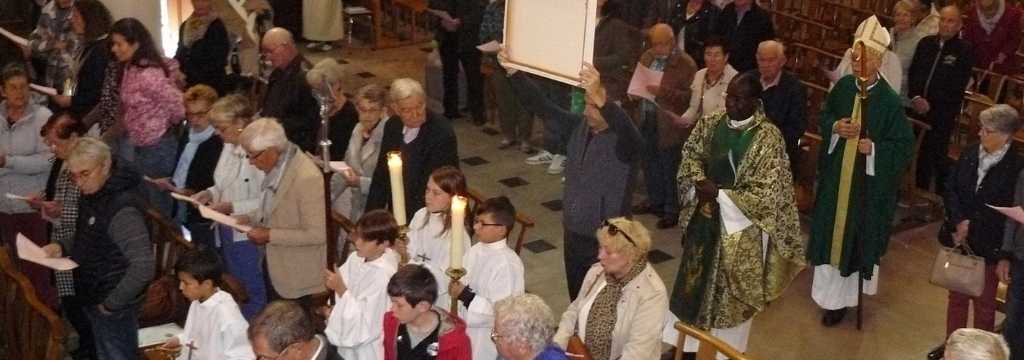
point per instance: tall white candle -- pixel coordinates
(397, 187)
(458, 226)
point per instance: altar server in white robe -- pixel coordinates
(214, 328)
(430, 231)
(360, 289)
(493, 272)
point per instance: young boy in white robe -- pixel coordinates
(430, 231)
(360, 289)
(493, 272)
(214, 328)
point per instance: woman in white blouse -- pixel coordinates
(236, 190)
(906, 33)
(349, 188)
(709, 83)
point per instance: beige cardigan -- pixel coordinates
(641, 314)
(297, 251)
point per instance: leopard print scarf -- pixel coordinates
(603, 313)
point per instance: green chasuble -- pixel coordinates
(725, 279)
(869, 218)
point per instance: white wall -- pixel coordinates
(147, 11)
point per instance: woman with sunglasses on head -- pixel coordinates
(621, 307)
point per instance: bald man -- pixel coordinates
(937, 77)
(288, 97)
(785, 98)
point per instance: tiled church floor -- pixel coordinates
(904, 321)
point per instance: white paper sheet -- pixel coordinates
(491, 47)
(17, 197)
(642, 78)
(156, 335)
(45, 90)
(222, 218)
(29, 251)
(15, 38)
(339, 166)
(1015, 213)
(185, 199)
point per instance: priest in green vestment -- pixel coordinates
(859, 174)
(742, 245)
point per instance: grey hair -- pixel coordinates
(281, 323)
(262, 134)
(326, 70)
(90, 151)
(526, 321)
(404, 88)
(975, 344)
(230, 109)
(772, 44)
(373, 93)
(1003, 118)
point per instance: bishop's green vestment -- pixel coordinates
(869, 218)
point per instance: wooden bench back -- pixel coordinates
(30, 329)
(710, 346)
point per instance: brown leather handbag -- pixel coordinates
(576, 349)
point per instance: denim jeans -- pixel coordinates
(116, 334)
(660, 168)
(243, 260)
(156, 161)
(1014, 332)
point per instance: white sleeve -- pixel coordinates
(504, 281)
(732, 217)
(869, 165)
(235, 341)
(358, 315)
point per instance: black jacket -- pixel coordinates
(200, 170)
(342, 124)
(952, 61)
(112, 245)
(698, 27)
(786, 106)
(90, 77)
(470, 12)
(204, 62)
(290, 100)
(435, 146)
(963, 202)
(616, 51)
(755, 27)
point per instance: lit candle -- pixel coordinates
(458, 219)
(397, 187)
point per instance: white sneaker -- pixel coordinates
(543, 157)
(557, 164)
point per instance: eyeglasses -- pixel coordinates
(257, 154)
(614, 230)
(478, 221)
(279, 355)
(495, 336)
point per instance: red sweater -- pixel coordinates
(1005, 39)
(453, 342)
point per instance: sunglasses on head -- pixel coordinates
(614, 230)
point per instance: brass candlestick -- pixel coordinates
(403, 244)
(455, 275)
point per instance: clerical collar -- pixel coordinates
(496, 245)
(872, 86)
(742, 123)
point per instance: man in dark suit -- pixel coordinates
(784, 97)
(745, 25)
(937, 77)
(288, 97)
(426, 141)
(457, 38)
